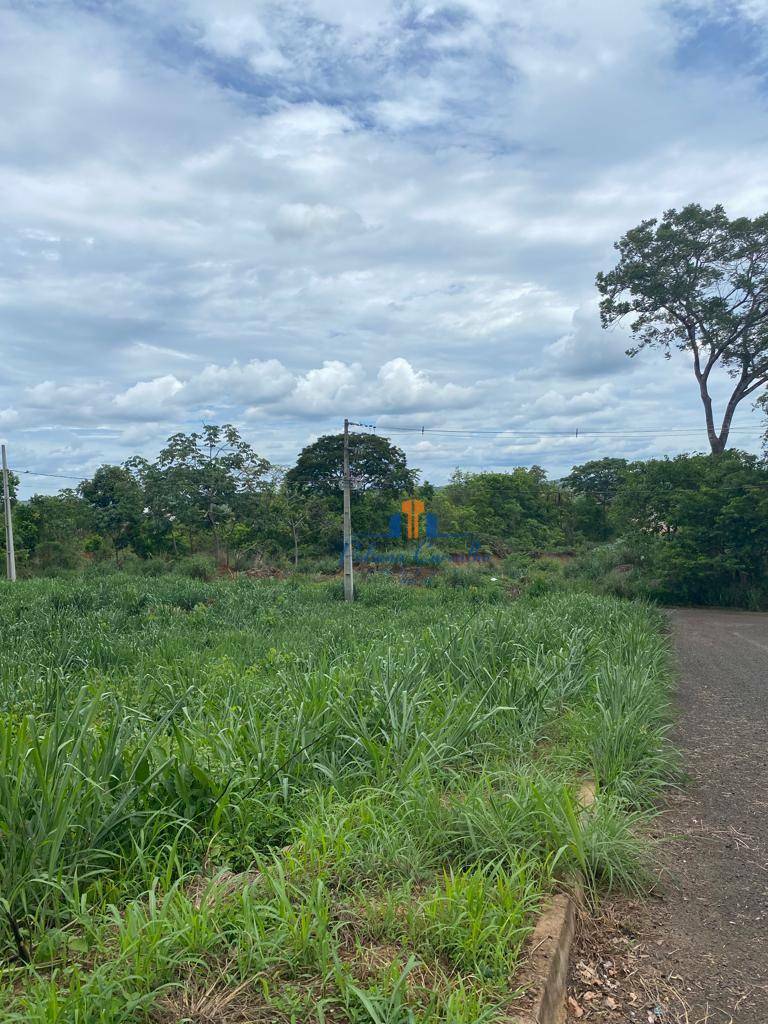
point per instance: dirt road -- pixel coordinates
(704, 934)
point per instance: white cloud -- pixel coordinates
(298, 220)
(586, 350)
(400, 388)
(251, 382)
(317, 209)
(52, 396)
(330, 388)
(149, 398)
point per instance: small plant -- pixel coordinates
(479, 918)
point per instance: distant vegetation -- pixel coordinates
(690, 530)
(693, 529)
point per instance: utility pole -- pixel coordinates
(349, 586)
(10, 554)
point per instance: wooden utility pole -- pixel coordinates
(10, 554)
(349, 586)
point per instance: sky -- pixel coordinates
(282, 215)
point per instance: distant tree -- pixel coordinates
(64, 518)
(697, 281)
(167, 504)
(600, 478)
(517, 510)
(13, 486)
(374, 464)
(596, 484)
(117, 503)
(762, 403)
(13, 483)
(301, 514)
(206, 475)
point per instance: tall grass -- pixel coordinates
(396, 781)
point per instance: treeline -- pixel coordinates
(209, 493)
(694, 528)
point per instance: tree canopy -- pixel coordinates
(599, 478)
(374, 464)
(201, 477)
(697, 281)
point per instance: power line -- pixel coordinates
(503, 432)
(573, 432)
(54, 476)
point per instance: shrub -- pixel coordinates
(516, 567)
(196, 567)
(53, 554)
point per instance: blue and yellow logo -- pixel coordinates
(413, 515)
(419, 526)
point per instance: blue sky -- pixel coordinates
(282, 214)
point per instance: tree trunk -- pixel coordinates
(718, 441)
(295, 548)
(714, 440)
(730, 409)
(216, 538)
(718, 445)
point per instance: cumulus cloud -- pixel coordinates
(401, 388)
(254, 381)
(284, 214)
(588, 351)
(148, 398)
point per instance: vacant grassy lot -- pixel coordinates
(248, 801)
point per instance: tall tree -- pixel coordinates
(209, 472)
(374, 464)
(697, 281)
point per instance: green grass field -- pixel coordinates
(249, 801)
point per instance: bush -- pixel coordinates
(598, 562)
(469, 574)
(545, 577)
(516, 567)
(53, 554)
(196, 567)
(327, 565)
